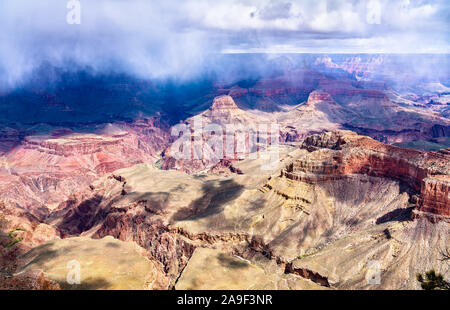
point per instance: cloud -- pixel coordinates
(174, 38)
(277, 10)
(134, 36)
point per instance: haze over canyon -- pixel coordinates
(230, 145)
(361, 175)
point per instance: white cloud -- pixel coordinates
(151, 38)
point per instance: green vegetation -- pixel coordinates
(12, 235)
(309, 253)
(158, 163)
(433, 281)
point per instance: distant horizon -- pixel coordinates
(174, 38)
(337, 53)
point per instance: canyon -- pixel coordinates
(360, 183)
(290, 221)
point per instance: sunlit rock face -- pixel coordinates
(435, 195)
(107, 264)
(344, 153)
(31, 280)
(104, 175)
(44, 170)
(213, 135)
(331, 206)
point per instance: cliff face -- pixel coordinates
(46, 169)
(335, 106)
(370, 107)
(20, 231)
(224, 107)
(239, 128)
(435, 195)
(30, 280)
(334, 155)
(110, 207)
(337, 204)
(212, 136)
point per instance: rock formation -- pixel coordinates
(345, 153)
(45, 170)
(174, 179)
(30, 280)
(337, 191)
(331, 104)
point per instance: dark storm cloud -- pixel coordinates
(173, 38)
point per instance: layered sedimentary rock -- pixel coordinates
(333, 155)
(323, 228)
(362, 67)
(224, 108)
(368, 106)
(41, 171)
(435, 195)
(44, 170)
(270, 94)
(223, 132)
(138, 204)
(30, 280)
(236, 133)
(20, 231)
(329, 104)
(219, 273)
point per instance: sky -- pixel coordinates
(174, 37)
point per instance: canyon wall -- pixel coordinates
(334, 155)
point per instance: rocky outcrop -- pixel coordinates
(44, 170)
(30, 280)
(112, 208)
(360, 67)
(225, 166)
(212, 137)
(219, 272)
(434, 195)
(334, 155)
(21, 230)
(269, 219)
(224, 107)
(308, 274)
(438, 131)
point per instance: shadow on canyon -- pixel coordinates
(86, 284)
(230, 262)
(397, 215)
(215, 195)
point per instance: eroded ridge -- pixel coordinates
(336, 155)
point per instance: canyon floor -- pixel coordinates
(330, 211)
(354, 194)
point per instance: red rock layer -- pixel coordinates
(334, 155)
(31, 280)
(45, 170)
(435, 195)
